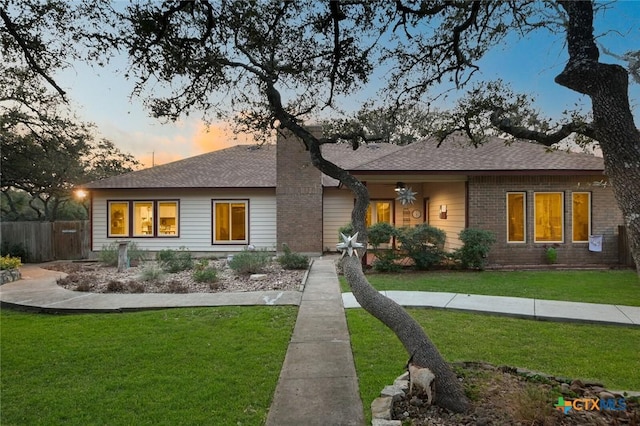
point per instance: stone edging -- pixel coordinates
(381, 407)
(9, 275)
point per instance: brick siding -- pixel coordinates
(299, 197)
(487, 210)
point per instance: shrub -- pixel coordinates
(115, 286)
(204, 273)
(424, 244)
(134, 287)
(476, 246)
(250, 262)
(175, 260)
(9, 262)
(346, 230)
(381, 233)
(291, 260)
(152, 273)
(177, 287)
(551, 255)
(109, 254)
(14, 250)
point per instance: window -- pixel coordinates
(230, 221)
(143, 218)
(118, 218)
(516, 217)
(379, 211)
(167, 218)
(146, 219)
(548, 217)
(581, 216)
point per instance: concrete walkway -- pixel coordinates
(38, 291)
(318, 383)
(514, 306)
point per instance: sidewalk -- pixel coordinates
(513, 306)
(38, 291)
(318, 383)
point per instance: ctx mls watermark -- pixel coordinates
(590, 404)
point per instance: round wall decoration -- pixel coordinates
(416, 214)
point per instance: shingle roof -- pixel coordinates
(240, 166)
(245, 166)
(493, 156)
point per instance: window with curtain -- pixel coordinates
(581, 216)
(118, 218)
(230, 221)
(516, 217)
(548, 217)
(379, 211)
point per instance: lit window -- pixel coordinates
(581, 216)
(230, 221)
(378, 211)
(516, 217)
(168, 218)
(118, 219)
(143, 218)
(549, 220)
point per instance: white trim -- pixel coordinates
(524, 217)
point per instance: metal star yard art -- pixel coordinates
(406, 196)
(349, 245)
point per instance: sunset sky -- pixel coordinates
(102, 96)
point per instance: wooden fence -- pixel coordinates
(46, 241)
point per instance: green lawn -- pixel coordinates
(603, 353)
(180, 366)
(618, 287)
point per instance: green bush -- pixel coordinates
(381, 233)
(250, 262)
(424, 244)
(346, 230)
(385, 260)
(109, 254)
(175, 260)
(14, 250)
(476, 246)
(291, 260)
(9, 262)
(152, 273)
(204, 273)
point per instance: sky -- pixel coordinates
(103, 95)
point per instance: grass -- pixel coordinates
(603, 353)
(618, 287)
(180, 366)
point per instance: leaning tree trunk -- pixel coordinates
(607, 85)
(448, 390)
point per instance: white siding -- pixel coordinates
(195, 218)
(336, 212)
(451, 194)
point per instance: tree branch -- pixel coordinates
(31, 61)
(548, 139)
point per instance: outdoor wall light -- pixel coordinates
(399, 186)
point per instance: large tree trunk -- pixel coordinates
(607, 85)
(448, 390)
